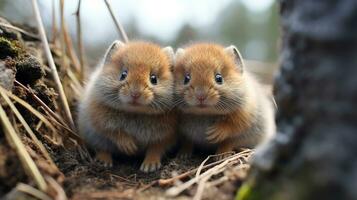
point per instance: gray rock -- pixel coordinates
(7, 76)
(316, 93)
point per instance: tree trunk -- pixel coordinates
(314, 155)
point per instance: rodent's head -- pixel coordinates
(208, 79)
(137, 77)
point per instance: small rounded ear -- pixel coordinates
(169, 52)
(238, 59)
(110, 51)
(179, 53)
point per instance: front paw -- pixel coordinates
(215, 135)
(150, 166)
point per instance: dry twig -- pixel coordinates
(204, 177)
(27, 127)
(54, 22)
(41, 103)
(31, 109)
(32, 191)
(27, 162)
(170, 181)
(117, 23)
(62, 33)
(60, 193)
(52, 63)
(53, 117)
(127, 194)
(19, 30)
(75, 82)
(209, 157)
(70, 49)
(79, 39)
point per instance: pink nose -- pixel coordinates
(200, 98)
(135, 95)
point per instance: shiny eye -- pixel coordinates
(123, 75)
(219, 78)
(153, 79)
(187, 79)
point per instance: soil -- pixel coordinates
(124, 180)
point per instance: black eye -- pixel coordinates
(123, 75)
(153, 79)
(219, 78)
(187, 79)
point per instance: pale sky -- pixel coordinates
(162, 18)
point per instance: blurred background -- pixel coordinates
(251, 25)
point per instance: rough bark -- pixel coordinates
(314, 154)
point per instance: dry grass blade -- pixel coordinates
(200, 188)
(198, 172)
(31, 109)
(79, 39)
(218, 181)
(127, 194)
(75, 80)
(52, 63)
(32, 191)
(27, 127)
(19, 30)
(69, 48)
(73, 134)
(61, 195)
(170, 181)
(174, 191)
(39, 125)
(208, 157)
(54, 22)
(77, 92)
(203, 183)
(62, 42)
(27, 162)
(53, 117)
(117, 23)
(41, 103)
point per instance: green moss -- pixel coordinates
(28, 68)
(244, 192)
(252, 191)
(10, 48)
(249, 191)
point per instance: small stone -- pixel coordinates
(7, 76)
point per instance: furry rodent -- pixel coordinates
(127, 103)
(223, 107)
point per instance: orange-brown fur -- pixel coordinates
(225, 123)
(109, 113)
